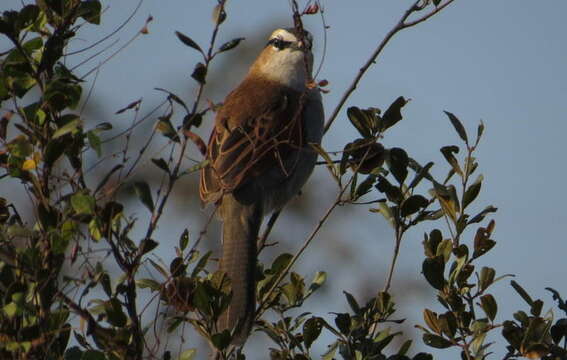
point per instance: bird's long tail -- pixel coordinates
(241, 224)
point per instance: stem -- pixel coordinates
(399, 234)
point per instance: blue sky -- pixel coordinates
(502, 62)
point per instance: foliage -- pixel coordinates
(58, 299)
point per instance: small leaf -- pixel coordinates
(343, 321)
(162, 164)
(188, 41)
(413, 204)
(436, 341)
(458, 127)
(83, 203)
(523, 293)
(114, 313)
(199, 73)
(433, 269)
(399, 164)
(221, 340)
(148, 284)
(90, 11)
(352, 302)
(472, 192)
(311, 331)
(393, 114)
(166, 128)
(144, 193)
(94, 142)
(360, 121)
(230, 44)
(432, 321)
(489, 306)
(147, 245)
(184, 240)
(486, 278)
(480, 216)
(188, 354)
(70, 127)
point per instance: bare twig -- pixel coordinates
(402, 24)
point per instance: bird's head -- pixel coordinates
(287, 58)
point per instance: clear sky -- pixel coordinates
(502, 62)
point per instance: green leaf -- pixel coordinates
(432, 321)
(311, 331)
(144, 193)
(10, 309)
(188, 354)
(83, 203)
(489, 306)
(404, 348)
(71, 126)
(148, 283)
(318, 281)
(188, 41)
(458, 127)
(162, 164)
(93, 355)
(436, 341)
(166, 128)
(94, 142)
(230, 44)
(184, 240)
(27, 16)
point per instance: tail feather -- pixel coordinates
(240, 231)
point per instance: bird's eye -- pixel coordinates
(279, 44)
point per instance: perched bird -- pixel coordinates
(259, 157)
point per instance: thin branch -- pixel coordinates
(402, 24)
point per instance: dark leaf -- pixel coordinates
(177, 267)
(364, 187)
(352, 302)
(162, 164)
(221, 340)
(420, 173)
(311, 331)
(343, 323)
(458, 127)
(423, 356)
(399, 164)
(196, 139)
(230, 44)
(114, 313)
(144, 193)
(188, 41)
(166, 128)
(523, 293)
(480, 216)
(433, 269)
(134, 104)
(147, 245)
(360, 120)
(393, 193)
(393, 114)
(54, 150)
(436, 341)
(486, 278)
(4, 124)
(184, 240)
(190, 120)
(448, 152)
(90, 11)
(413, 204)
(199, 73)
(489, 306)
(472, 192)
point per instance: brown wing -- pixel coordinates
(256, 129)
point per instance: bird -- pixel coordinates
(260, 155)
